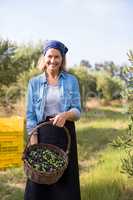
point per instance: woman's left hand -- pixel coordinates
(60, 119)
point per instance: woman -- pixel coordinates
(54, 96)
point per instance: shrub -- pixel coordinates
(109, 88)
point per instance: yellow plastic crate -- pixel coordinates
(11, 141)
(11, 144)
(10, 162)
(12, 124)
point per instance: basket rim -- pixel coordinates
(65, 156)
(54, 147)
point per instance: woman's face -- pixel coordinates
(53, 60)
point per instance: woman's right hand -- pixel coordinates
(34, 139)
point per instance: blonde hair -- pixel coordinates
(41, 64)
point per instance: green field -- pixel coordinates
(99, 162)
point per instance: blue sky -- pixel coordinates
(98, 30)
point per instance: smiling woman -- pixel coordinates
(54, 96)
(52, 64)
(58, 55)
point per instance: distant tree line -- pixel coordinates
(18, 65)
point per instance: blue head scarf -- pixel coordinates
(55, 45)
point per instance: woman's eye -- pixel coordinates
(49, 56)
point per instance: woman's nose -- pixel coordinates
(52, 60)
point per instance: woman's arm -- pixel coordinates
(60, 119)
(31, 120)
(30, 115)
(75, 111)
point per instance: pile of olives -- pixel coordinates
(44, 159)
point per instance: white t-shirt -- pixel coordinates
(52, 106)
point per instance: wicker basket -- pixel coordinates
(49, 177)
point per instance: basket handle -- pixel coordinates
(43, 124)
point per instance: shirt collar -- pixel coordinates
(62, 74)
(43, 79)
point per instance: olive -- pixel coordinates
(44, 159)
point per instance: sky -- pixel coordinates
(97, 31)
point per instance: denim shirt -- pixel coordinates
(36, 98)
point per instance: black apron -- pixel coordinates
(68, 186)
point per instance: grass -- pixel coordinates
(104, 181)
(96, 132)
(99, 162)
(12, 184)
